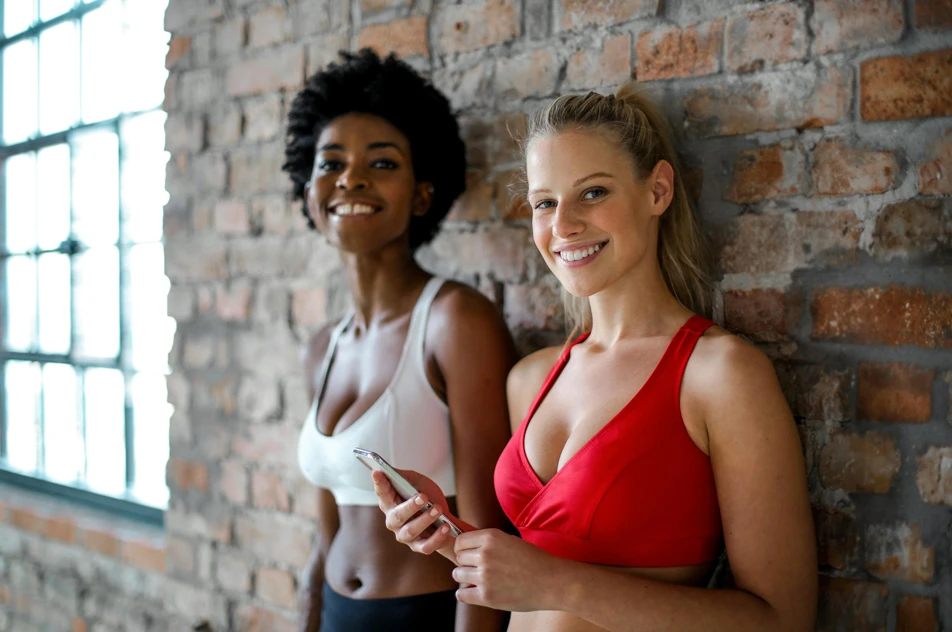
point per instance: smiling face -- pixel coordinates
(363, 190)
(594, 219)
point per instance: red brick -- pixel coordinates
(916, 614)
(611, 65)
(894, 392)
(783, 242)
(933, 15)
(918, 86)
(144, 554)
(187, 475)
(803, 98)
(851, 605)
(843, 170)
(767, 172)
(268, 27)
(510, 195)
(934, 476)
(232, 573)
(765, 37)
(475, 204)
(761, 315)
(61, 528)
(917, 227)
(267, 72)
(670, 52)
(531, 74)
(368, 7)
(890, 316)
(816, 392)
(845, 24)
(101, 541)
(78, 625)
(27, 519)
(256, 534)
(896, 551)
(308, 306)
(837, 538)
(233, 483)
(477, 24)
(935, 174)
(406, 37)
(179, 47)
(859, 463)
(255, 619)
(275, 586)
(268, 491)
(577, 14)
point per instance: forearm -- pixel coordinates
(478, 619)
(310, 594)
(623, 603)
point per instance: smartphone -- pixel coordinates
(402, 486)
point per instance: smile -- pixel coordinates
(353, 210)
(580, 256)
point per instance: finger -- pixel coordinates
(399, 514)
(435, 542)
(470, 595)
(467, 541)
(466, 575)
(384, 490)
(415, 527)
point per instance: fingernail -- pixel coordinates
(418, 500)
(434, 512)
(444, 529)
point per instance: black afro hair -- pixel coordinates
(389, 88)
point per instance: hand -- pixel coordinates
(503, 572)
(407, 518)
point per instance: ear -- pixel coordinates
(661, 182)
(422, 198)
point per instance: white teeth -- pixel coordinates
(576, 255)
(353, 209)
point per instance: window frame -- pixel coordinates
(127, 506)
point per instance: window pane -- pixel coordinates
(59, 78)
(147, 294)
(54, 303)
(19, 91)
(52, 196)
(23, 397)
(143, 176)
(49, 9)
(96, 308)
(64, 454)
(102, 33)
(18, 16)
(96, 187)
(151, 412)
(20, 313)
(20, 184)
(105, 431)
(145, 45)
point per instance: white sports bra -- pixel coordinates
(408, 425)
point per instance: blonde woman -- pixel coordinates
(651, 440)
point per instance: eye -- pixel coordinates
(543, 204)
(593, 193)
(329, 165)
(384, 163)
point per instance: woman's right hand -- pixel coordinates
(407, 519)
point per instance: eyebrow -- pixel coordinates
(597, 174)
(377, 145)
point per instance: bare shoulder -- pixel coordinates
(458, 307)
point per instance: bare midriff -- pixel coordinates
(554, 621)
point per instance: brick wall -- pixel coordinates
(824, 134)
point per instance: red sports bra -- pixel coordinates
(639, 494)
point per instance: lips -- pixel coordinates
(355, 209)
(581, 252)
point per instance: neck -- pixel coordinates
(639, 305)
(382, 283)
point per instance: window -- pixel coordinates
(84, 334)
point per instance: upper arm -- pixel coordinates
(761, 480)
(474, 352)
(524, 381)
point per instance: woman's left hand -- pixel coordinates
(503, 572)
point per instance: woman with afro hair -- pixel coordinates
(416, 371)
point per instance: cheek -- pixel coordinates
(541, 234)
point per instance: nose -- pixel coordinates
(567, 222)
(352, 179)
